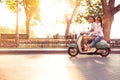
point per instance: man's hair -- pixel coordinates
(92, 18)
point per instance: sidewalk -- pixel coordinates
(46, 50)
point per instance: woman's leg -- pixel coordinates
(97, 39)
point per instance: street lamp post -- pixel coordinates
(17, 27)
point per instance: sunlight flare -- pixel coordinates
(7, 18)
(52, 14)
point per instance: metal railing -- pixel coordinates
(115, 43)
(9, 41)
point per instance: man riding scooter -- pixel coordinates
(95, 33)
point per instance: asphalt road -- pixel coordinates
(59, 67)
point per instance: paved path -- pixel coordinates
(59, 67)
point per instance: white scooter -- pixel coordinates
(101, 48)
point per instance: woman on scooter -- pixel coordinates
(98, 32)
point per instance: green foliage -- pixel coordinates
(88, 8)
(32, 10)
(94, 7)
(11, 4)
(31, 7)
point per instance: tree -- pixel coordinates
(31, 8)
(69, 19)
(109, 9)
(32, 11)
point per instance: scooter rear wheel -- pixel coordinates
(72, 51)
(105, 52)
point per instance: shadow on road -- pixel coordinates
(96, 67)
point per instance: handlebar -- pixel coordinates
(84, 33)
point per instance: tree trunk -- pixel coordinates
(27, 29)
(108, 19)
(68, 27)
(28, 18)
(69, 21)
(109, 10)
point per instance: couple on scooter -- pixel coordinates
(95, 33)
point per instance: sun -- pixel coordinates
(51, 11)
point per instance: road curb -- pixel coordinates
(115, 50)
(33, 51)
(43, 51)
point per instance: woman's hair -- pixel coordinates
(93, 18)
(100, 20)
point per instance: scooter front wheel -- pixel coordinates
(72, 51)
(105, 52)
